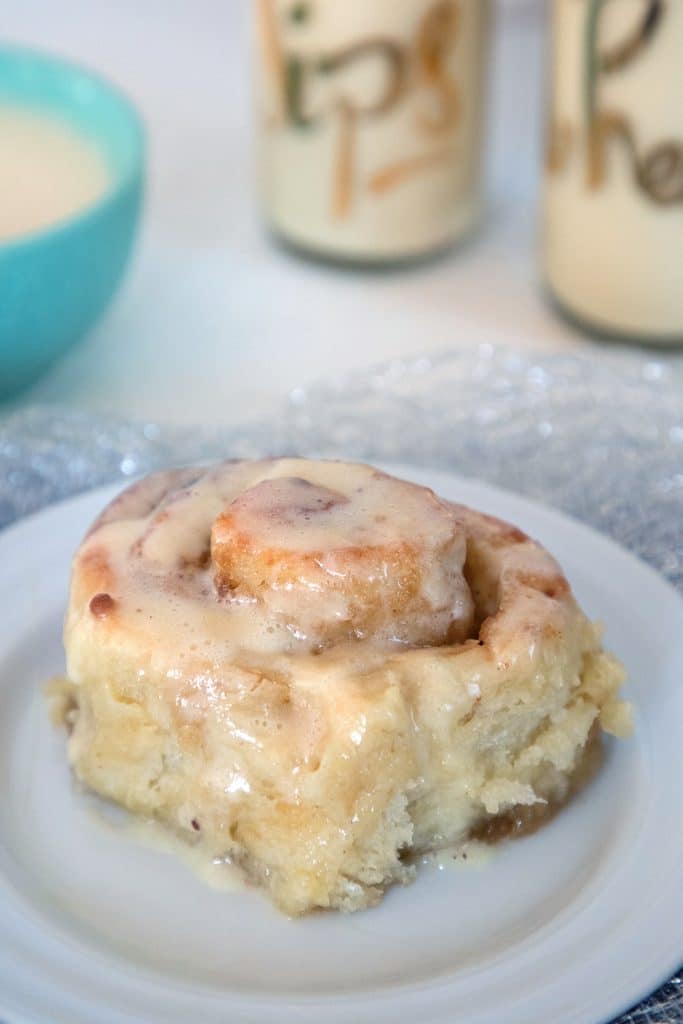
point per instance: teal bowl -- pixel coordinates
(56, 282)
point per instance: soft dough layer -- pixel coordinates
(321, 678)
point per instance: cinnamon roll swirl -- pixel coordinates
(318, 670)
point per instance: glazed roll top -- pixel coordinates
(286, 554)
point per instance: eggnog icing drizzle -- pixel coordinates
(284, 556)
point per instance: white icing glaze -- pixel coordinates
(313, 535)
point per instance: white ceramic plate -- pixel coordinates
(571, 924)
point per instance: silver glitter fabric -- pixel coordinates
(599, 435)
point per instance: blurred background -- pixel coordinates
(215, 321)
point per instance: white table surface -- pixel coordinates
(215, 323)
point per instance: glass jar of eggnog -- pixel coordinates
(370, 123)
(613, 195)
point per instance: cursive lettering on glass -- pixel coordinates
(657, 171)
(420, 69)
